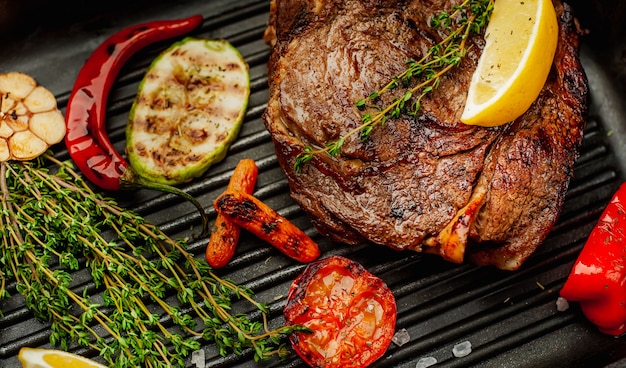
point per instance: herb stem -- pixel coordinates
(465, 19)
(52, 223)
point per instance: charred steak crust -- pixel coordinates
(431, 183)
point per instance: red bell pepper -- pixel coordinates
(598, 278)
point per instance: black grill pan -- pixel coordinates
(510, 318)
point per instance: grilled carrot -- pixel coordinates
(223, 241)
(261, 220)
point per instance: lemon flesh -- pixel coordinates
(49, 358)
(520, 42)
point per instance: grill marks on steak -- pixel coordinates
(532, 164)
(428, 183)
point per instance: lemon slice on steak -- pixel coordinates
(188, 110)
(521, 40)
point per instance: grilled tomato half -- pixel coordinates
(351, 314)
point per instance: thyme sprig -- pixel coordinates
(465, 19)
(52, 225)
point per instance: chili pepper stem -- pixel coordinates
(131, 180)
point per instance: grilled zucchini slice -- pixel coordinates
(188, 110)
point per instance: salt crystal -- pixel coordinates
(561, 304)
(197, 358)
(462, 349)
(426, 362)
(401, 337)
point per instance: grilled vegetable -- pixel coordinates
(87, 141)
(351, 312)
(225, 235)
(258, 218)
(598, 278)
(188, 111)
(30, 121)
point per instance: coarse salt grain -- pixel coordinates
(197, 358)
(401, 337)
(462, 349)
(562, 304)
(426, 362)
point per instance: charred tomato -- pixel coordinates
(350, 311)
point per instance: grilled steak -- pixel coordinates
(426, 183)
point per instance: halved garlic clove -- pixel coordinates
(5, 154)
(49, 126)
(25, 145)
(19, 85)
(40, 100)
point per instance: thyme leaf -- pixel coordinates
(421, 77)
(52, 224)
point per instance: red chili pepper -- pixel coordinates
(86, 139)
(598, 278)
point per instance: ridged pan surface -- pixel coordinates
(510, 318)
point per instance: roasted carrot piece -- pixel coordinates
(223, 241)
(261, 220)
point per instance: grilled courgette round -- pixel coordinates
(188, 110)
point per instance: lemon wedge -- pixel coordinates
(49, 358)
(520, 42)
